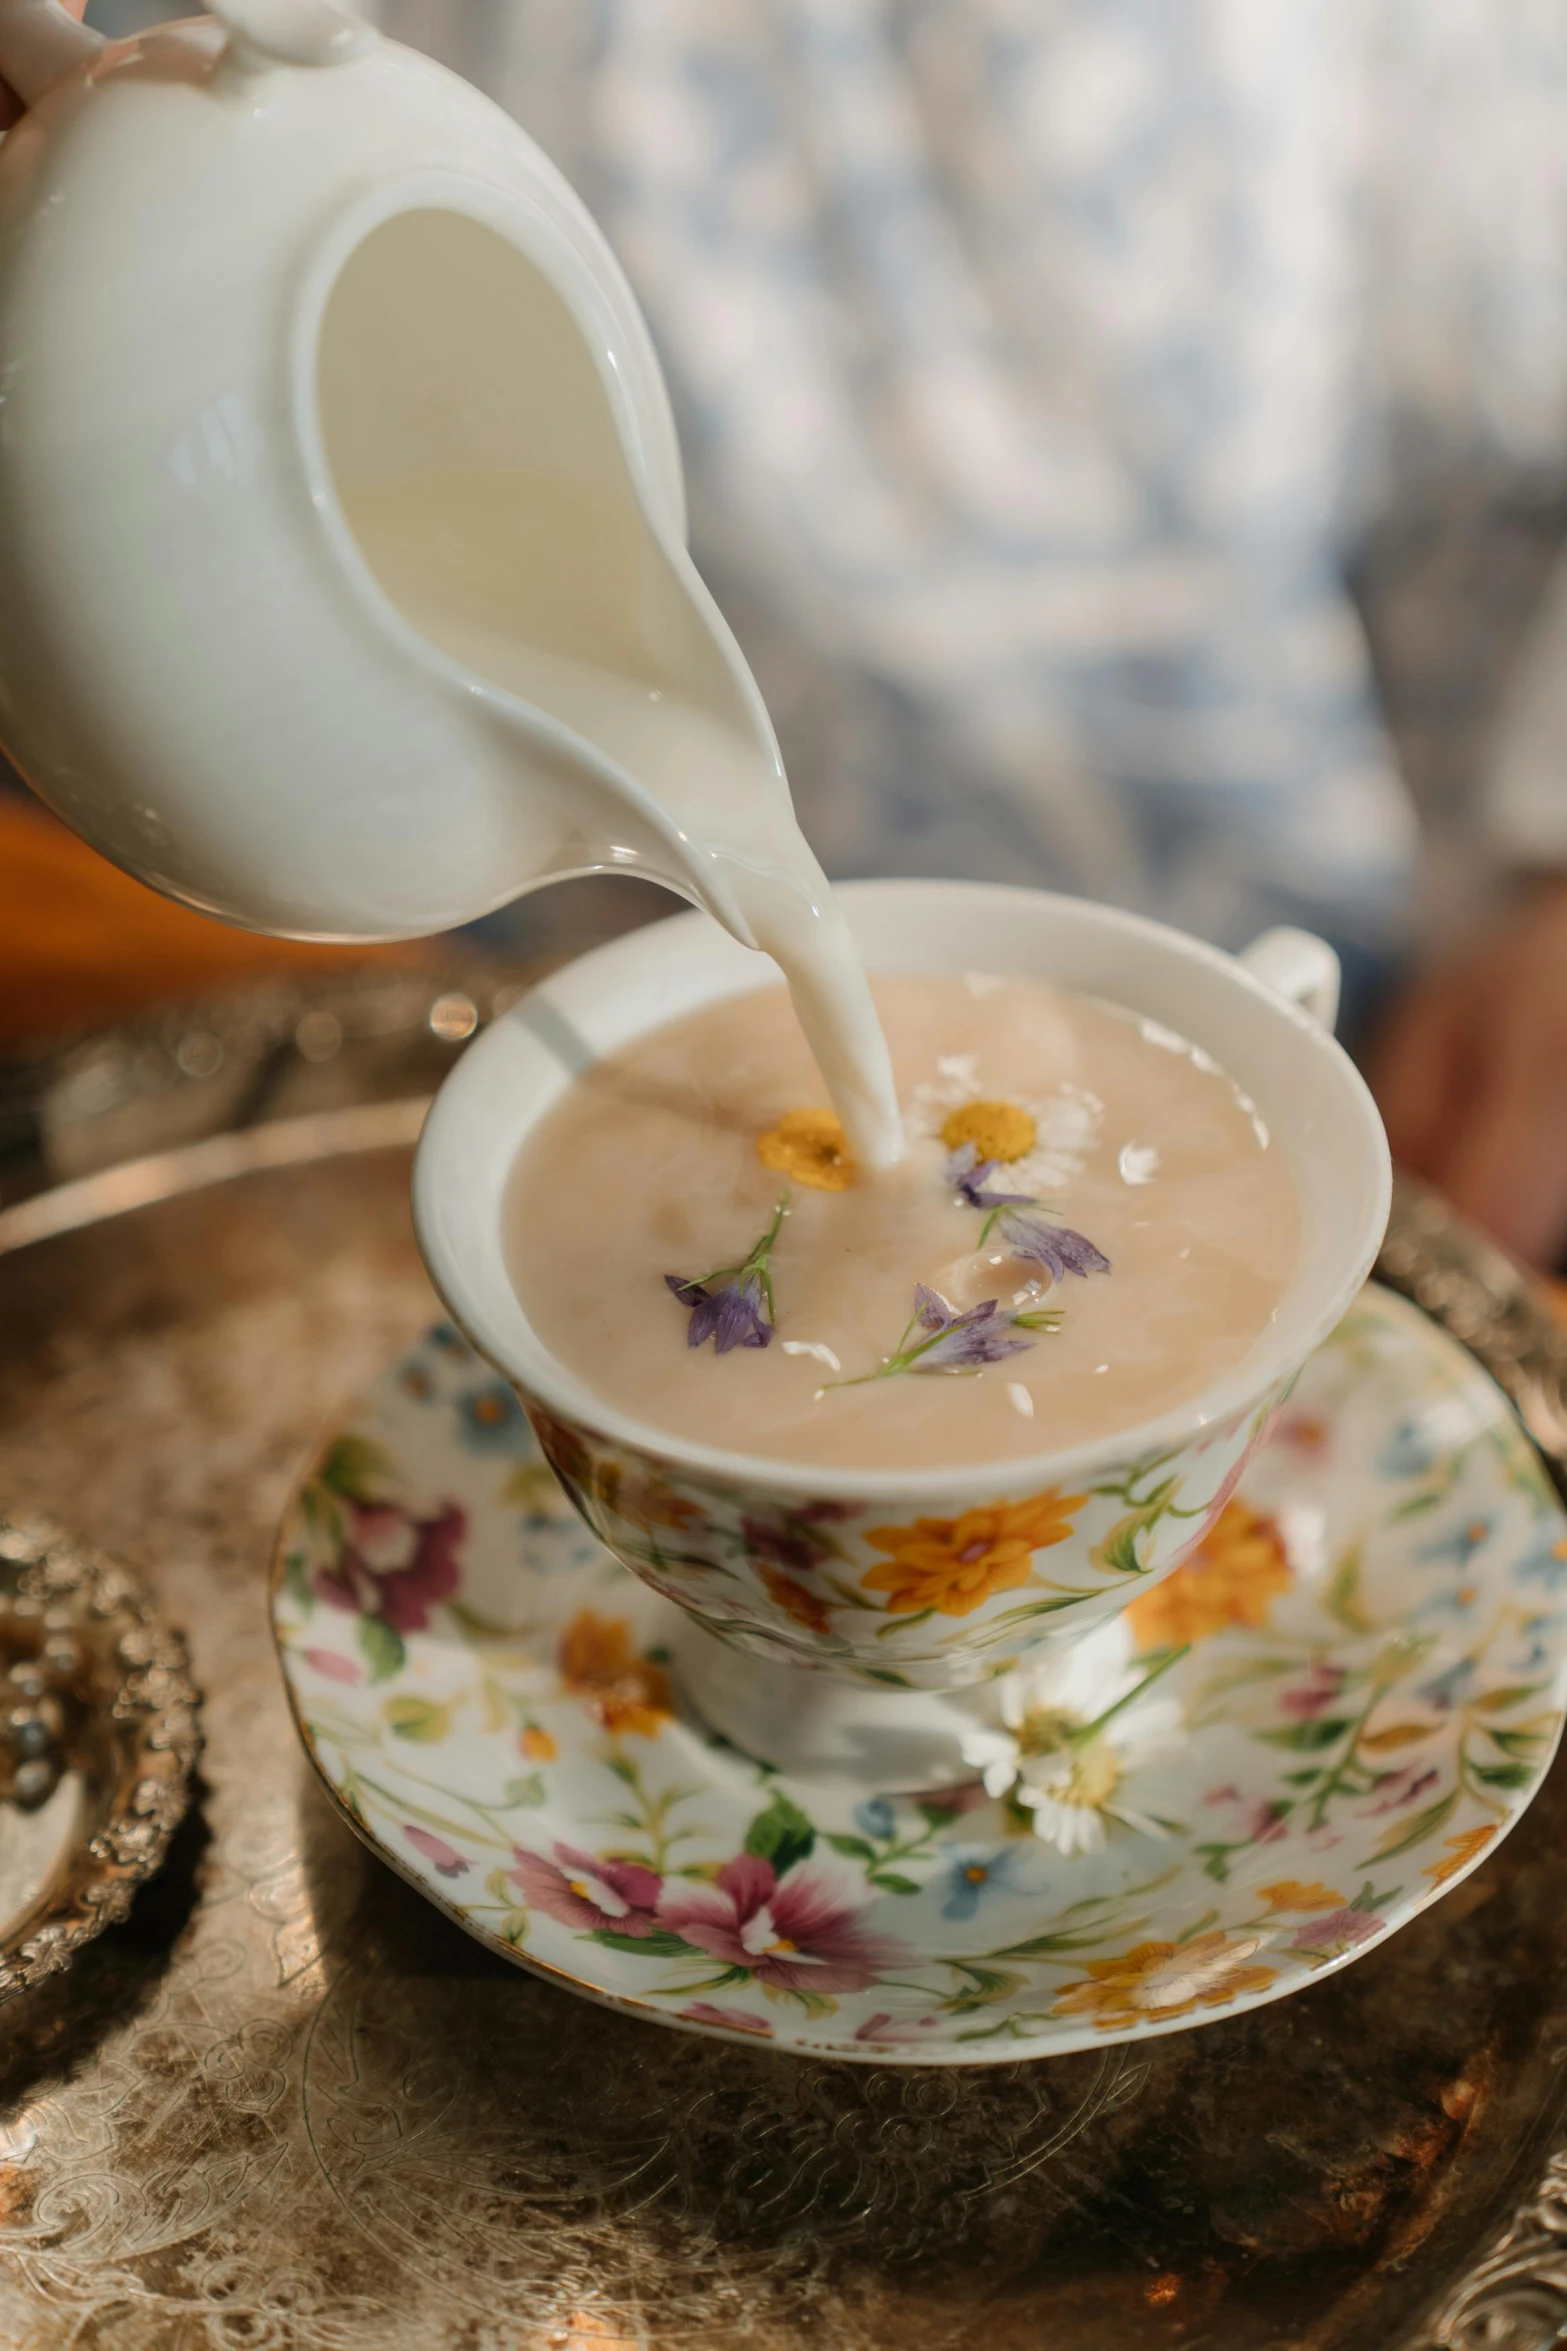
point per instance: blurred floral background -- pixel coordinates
(1130, 443)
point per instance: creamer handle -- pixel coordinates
(1300, 966)
(292, 32)
(40, 41)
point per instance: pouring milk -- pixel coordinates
(343, 585)
(437, 541)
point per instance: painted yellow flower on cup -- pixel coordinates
(953, 1565)
(1232, 1578)
(809, 1146)
(640, 1498)
(1159, 1980)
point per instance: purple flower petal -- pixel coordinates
(731, 1312)
(1018, 1220)
(448, 1861)
(969, 1176)
(1339, 1926)
(973, 1340)
(1054, 1246)
(964, 1341)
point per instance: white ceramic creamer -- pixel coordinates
(343, 581)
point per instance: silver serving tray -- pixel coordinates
(287, 2105)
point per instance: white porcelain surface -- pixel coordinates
(197, 669)
(1305, 1088)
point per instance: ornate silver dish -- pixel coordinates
(100, 1735)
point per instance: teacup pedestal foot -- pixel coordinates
(814, 1726)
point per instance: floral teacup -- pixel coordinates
(928, 1580)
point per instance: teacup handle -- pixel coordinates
(1299, 966)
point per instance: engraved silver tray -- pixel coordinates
(287, 2105)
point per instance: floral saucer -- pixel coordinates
(1272, 1761)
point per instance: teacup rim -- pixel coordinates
(551, 1385)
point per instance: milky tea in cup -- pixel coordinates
(1090, 1226)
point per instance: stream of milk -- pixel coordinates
(741, 840)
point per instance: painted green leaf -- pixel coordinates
(657, 1943)
(892, 1882)
(524, 1791)
(1246, 1671)
(1117, 1553)
(1326, 1731)
(855, 1848)
(471, 1621)
(1417, 1505)
(848, 1596)
(1399, 1835)
(904, 1624)
(297, 1584)
(985, 1985)
(499, 1887)
(1503, 1701)
(384, 1649)
(1518, 1741)
(791, 1996)
(420, 1719)
(781, 1835)
(1504, 1775)
(357, 1469)
(321, 1510)
(1342, 1597)
(1038, 1945)
(513, 1927)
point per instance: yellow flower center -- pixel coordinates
(1096, 1774)
(997, 1130)
(1044, 1729)
(1093, 1770)
(809, 1146)
(976, 1873)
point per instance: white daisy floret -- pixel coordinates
(1074, 1733)
(1066, 1122)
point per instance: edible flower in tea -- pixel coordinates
(954, 1342)
(997, 1132)
(1020, 1220)
(809, 1146)
(733, 1307)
